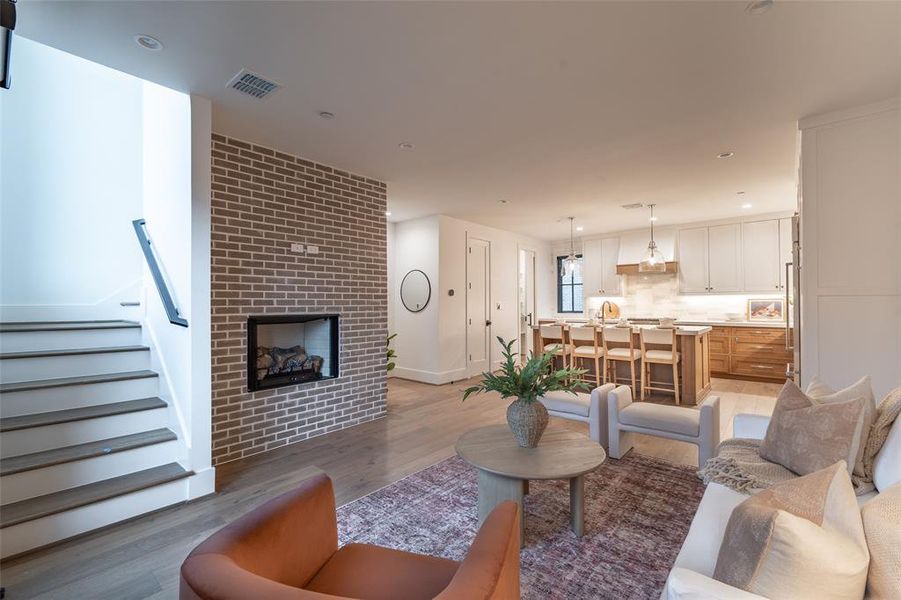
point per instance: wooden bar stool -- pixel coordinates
(554, 335)
(586, 346)
(620, 335)
(660, 356)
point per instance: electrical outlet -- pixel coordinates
(312, 249)
(297, 248)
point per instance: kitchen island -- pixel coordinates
(692, 342)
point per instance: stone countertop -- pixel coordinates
(680, 328)
(765, 324)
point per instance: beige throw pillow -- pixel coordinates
(798, 540)
(882, 526)
(821, 393)
(805, 436)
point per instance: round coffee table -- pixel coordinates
(505, 468)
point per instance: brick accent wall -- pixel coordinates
(263, 201)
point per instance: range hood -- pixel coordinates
(634, 245)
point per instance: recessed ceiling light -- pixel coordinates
(405, 146)
(503, 201)
(746, 205)
(725, 155)
(148, 42)
(740, 193)
(326, 114)
(387, 213)
(758, 7)
(580, 228)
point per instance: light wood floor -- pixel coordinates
(140, 559)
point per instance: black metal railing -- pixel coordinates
(162, 288)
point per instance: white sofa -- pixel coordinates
(691, 575)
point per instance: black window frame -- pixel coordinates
(571, 286)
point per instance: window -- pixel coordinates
(569, 287)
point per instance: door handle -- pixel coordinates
(530, 319)
(487, 323)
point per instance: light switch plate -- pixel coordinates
(312, 249)
(297, 248)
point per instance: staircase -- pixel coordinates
(85, 441)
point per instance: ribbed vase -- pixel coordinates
(527, 421)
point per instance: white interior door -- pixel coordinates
(478, 311)
(785, 252)
(527, 266)
(724, 258)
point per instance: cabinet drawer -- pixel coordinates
(757, 368)
(719, 345)
(758, 334)
(719, 363)
(720, 332)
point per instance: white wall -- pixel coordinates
(71, 185)
(431, 345)
(416, 246)
(850, 246)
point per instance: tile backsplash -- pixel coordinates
(659, 296)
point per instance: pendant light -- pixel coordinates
(570, 262)
(653, 261)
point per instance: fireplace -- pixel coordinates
(291, 349)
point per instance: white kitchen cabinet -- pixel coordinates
(693, 260)
(761, 256)
(592, 263)
(785, 252)
(724, 258)
(610, 281)
(599, 258)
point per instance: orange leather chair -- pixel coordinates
(288, 549)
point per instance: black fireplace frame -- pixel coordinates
(253, 384)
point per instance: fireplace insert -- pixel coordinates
(291, 349)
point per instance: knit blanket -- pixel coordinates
(738, 464)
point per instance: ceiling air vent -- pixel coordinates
(632, 206)
(252, 84)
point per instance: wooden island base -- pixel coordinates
(693, 344)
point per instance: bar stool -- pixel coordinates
(554, 336)
(620, 335)
(585, 346)
(667, 356)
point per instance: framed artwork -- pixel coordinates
(766, 310)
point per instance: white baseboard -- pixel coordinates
(202, 483)
(432, 377)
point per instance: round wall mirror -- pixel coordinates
(415, 290)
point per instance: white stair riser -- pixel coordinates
(29, 402)
(36, 439)
(28, 341)
(47, 530)
(50, 367)
(38, 482)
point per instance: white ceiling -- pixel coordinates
(559, 108)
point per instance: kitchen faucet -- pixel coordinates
(604, 312)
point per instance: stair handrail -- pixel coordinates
(171, 310)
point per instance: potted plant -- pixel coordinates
(526, 416)
(390, 353)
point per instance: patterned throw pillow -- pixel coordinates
(820, 392)
(801, 539)
(805, 436)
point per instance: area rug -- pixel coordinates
(637, 513)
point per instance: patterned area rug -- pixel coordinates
(638, 511)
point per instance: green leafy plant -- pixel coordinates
(391, 355)
(536, 378)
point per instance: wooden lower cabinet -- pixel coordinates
(749, 353)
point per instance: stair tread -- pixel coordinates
(72, 352)
(10, 327)
(57, 502)
(36, 384)
(56, 456)
(79, 414)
